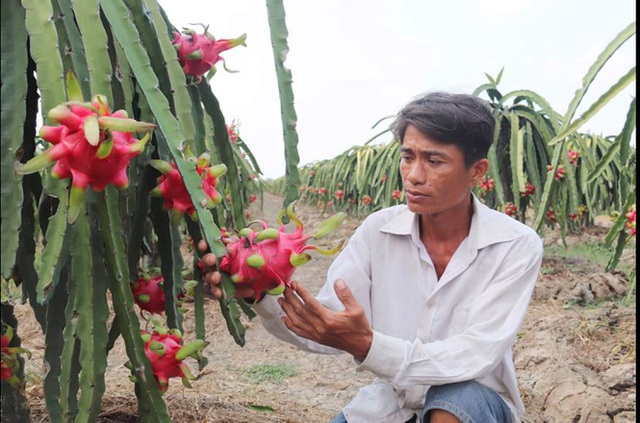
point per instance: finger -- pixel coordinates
(230, 239)
(310, 302)
(209, 260)
(344, 294)
(217, 292)
(290, 302)
(212, 278)
(299, 327)
(203, 247)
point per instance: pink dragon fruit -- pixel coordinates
(198, 53)
(176, 197)
(166, 351)
(148, 292)
(9, 363)
(267, 259)
(92, 146)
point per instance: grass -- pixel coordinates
(594, 252)
(270, 372)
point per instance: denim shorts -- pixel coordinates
(470, 402)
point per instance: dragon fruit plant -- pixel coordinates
(198, 53)
(148, 292)
(92, 146)
(172, 188)
(9, 363)
(266, 260)
(166, 351)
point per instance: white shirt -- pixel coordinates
(430, 331)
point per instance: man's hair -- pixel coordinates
(460, 119)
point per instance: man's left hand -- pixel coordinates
(346, 330)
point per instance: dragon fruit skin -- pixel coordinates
(266, 260)
(149, 294)
(92, 146)
(198, 53)
(171, 186)
(166, 351)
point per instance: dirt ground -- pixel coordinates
(576, 361)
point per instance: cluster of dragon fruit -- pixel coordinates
(93, 146)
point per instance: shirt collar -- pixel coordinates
(486, 226)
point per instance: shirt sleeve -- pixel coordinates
(492, 324)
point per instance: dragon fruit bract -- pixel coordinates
(176, 197)
(165, 350)
(267, 259)
(92, 146)
(198, 53)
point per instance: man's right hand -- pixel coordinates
(213, 278)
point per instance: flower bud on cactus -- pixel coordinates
(198, 53)
(266, 260)
(166, 351)
(92, 146)
(172, 188)
(9, 364)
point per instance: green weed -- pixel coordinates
(270, 372)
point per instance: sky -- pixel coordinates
(355, 62)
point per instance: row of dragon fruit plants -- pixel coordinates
(543, 171)
(137, 160)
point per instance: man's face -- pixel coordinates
(434, 175)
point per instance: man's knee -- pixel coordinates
(440, 416)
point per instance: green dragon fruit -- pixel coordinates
(172, 188)
(266, 260)
(92, 146)
(198, 53)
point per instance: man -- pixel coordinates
(428, 296)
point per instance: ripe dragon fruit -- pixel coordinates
(148, 292)
(9, 364)
(92, 146)
(176, 197)
(198, 53)
(166, 351)
(267, 259)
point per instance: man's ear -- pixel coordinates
(477, 171)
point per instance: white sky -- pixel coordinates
(354, 62)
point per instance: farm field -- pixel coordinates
(575, 357)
